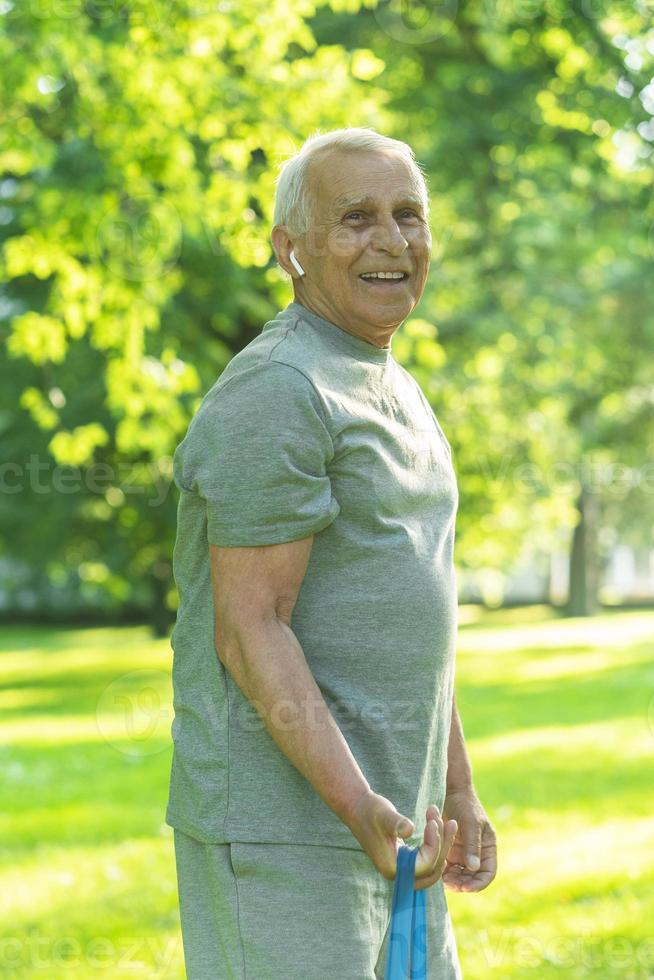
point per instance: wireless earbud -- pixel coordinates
(296, 263)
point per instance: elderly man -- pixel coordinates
(315, 725)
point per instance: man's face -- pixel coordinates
(367, 216)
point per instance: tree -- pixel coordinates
(534, 123)
(140, 153)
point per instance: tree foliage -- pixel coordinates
(141, 143)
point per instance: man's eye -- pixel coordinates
(360, 214)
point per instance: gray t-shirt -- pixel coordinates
(311, 430)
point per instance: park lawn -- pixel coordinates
(559, 722)
(87, 874)
(559, 719)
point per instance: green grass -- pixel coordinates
(559, 722)
(87, 873)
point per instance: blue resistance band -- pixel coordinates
(407, 948)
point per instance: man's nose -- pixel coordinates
(389, 236)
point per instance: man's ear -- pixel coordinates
(282, 247)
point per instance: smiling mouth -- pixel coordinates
(385, 282)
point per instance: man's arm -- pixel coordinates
(459, 770)
(255, 590)
(472, 860)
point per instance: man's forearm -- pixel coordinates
(269, 666)
(459, 770)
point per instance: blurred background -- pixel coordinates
(140, 144)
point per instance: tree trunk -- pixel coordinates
(584, 565)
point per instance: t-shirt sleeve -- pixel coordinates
(257, 452)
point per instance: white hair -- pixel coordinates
(292, 198)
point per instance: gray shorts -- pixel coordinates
(289, 912)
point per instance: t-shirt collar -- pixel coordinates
(348, 342)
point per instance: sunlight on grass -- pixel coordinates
(17, 698)
(559, 726)
(577, 663)
(605, 630)
(73, 728)
(603, 743)
(559, 722)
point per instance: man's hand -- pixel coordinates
(471, 863)
(380, 828)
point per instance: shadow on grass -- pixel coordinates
(79, 691)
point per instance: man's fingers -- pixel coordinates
(429, 853)
(433, 838)
(473, 831)
(438, 839)
(427, 882)
(449, 833)
(466, 881)
(458, 877)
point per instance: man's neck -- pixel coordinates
(382, 340)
